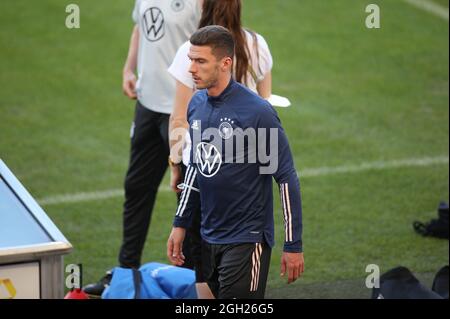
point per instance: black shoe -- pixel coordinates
(96, 290)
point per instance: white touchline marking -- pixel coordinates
(305, 173)
(431, 7)
(378, 165)
(80, 197)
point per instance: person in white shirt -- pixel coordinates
(161, 26)
(252, 68)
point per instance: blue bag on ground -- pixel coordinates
(176, 282)
(151, 281)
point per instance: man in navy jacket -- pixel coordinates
(238, 144)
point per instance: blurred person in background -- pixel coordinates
(161, 26)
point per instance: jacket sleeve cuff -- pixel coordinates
(183, 223)
(293, 247)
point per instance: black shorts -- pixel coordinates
(237, 270)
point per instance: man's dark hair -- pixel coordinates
(218, 38)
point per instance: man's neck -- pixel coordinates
(220, 86)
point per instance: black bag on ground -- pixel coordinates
(400, 283)
(436, 227)
(441, 282)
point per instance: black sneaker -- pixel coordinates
(96, 290)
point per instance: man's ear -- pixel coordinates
(227, 63)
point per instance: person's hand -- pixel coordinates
(175, 177)
(129, 84)
(174, 244)
(294, 264)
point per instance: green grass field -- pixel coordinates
(372, 97)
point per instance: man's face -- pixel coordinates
(205, 68)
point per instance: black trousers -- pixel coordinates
(237, 270)
(147, 166)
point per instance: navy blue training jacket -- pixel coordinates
(235, 196)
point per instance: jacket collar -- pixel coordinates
(225, 93)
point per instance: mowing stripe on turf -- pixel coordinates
(431, 7)
(304, 173)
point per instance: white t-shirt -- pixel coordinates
(164, 25)
(260, 60)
